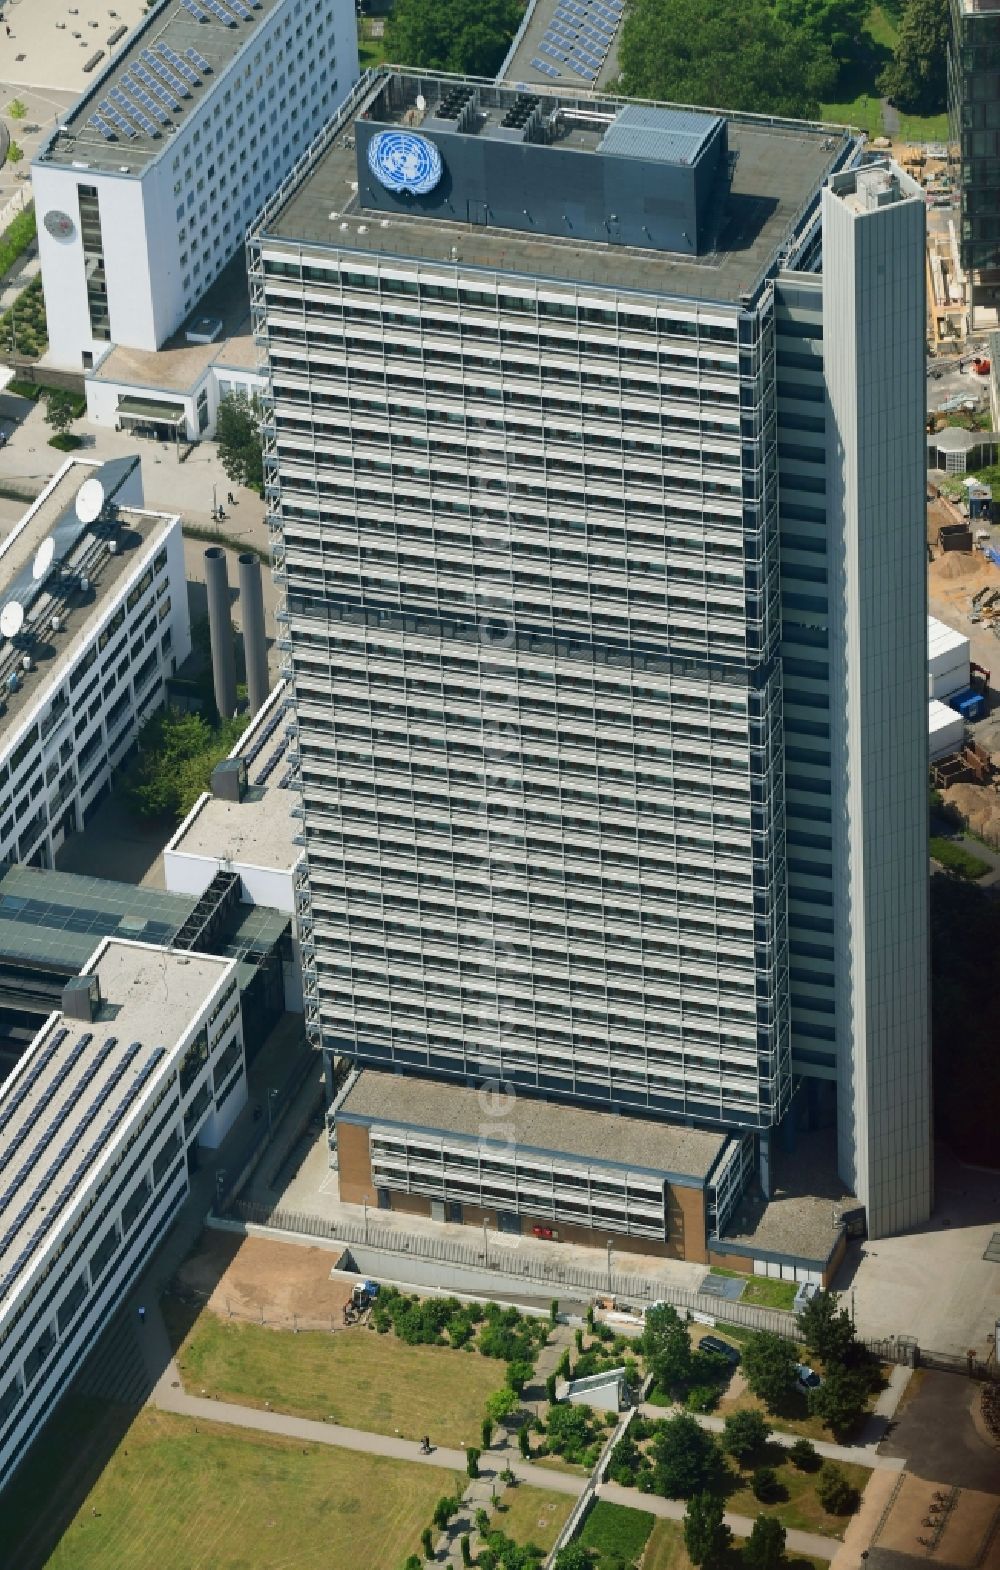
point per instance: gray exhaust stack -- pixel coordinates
(254, 637)
(220, 627)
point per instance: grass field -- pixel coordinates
(354, 1377)
(665, 1549)
(371, 51)
(956, 857)
(861, 104)
(204, 1497)
(533, 1515)
(769, 1294)
(615, 1529)
(800, 1508)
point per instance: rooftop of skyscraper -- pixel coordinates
(560, 184)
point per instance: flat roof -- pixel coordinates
(257, 831)
(79, 1085)
(800, 1220)
(168, 26)
(519, 67)
(179, 366)
(81, 553)
(547, 1127)
(778, 168)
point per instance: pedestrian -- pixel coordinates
(142, 1315)
(231, 499)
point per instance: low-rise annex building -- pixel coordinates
(93, 620)
(99, 1122)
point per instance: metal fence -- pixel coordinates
(553, 1275)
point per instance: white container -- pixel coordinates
(948, 655)
(946, 729)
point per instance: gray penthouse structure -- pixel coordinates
(595, 479)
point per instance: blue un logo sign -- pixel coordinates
(401, 161)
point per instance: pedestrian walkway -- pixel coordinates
(857, 1455)
(740, 1525)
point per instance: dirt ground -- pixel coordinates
(979, 805)
(948, 1526)
(278, 1284)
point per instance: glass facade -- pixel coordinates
(974, 116)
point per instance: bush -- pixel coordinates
(764, 1483)
(16, 238)
(466, 1546)
(472, 1461)
(444, 1510)
(65, 441)
(550, 1387)
(502, 1404)
(570, 1432)
(554, 1311)
(427, 1542)
(702, 1398)
(834, 1492)
(518, 1374)
(803, 1455)
(685, 1458)
(524, 1441)
(954, 857)
(744, 1435)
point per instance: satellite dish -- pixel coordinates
(43, 558)
(421, 101)
(89, 501)
(11, 619)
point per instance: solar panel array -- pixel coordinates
(161, 68)
(140, 117)
(198, 61)
(182, 67)
(72, 1184)
(578, 38)
(28, 1081)
(156, 87)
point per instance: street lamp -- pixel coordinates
(609, 1264)
(271, 1094)
(220, 1183)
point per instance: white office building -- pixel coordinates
(145, 189)
(595, 470)
(93, 620)
(98, 1120)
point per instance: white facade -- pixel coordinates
(161, 217)
(945, 728)
(197, 403)
(873, 320)
(135, 1092)
(94, 681)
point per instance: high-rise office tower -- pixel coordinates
(595, 472)
(974, 132)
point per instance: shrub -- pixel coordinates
(16, 238)
(444, 1510)
(502, 1404)
(764, 1483)
(834, 1492)
(550, 1387)
(472, 1461)
(466, 1547)
(518, 1374)
(744, 1435)
(554, 1311)
(427, 1542)
(702, 1398)
(524, 1441)
(803, 1455)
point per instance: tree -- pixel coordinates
(666, 1346)
(502, 1404)
(17, 109)
(745, 1434)
(685, 1458)
(834, 24)
(472, 1461)
(827, 1330)
(518, 1373)
(764, 1483)
(765, 1547)
(842, 1399)
(916, 78)
(237, 432)
(176, 755)
(467, 36)
(733, 54)
(60, 410)
(803, 1455)
(706, 1536)
(15, 153)
(834, 1492)
(574, 1557)
(769, 1363)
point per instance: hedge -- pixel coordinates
(15, 240)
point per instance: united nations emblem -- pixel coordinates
(401, 161)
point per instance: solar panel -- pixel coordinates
(182, 68)
(198, 61)
(172, 80)
(99, 125)
(544, 67)
(159, 91)
(195, 10)
(139, 93)
(240, 9)
(120, 123)
(218, 11)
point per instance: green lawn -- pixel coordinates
(615, 1529)
(354, 1377)
(861, 105)
(768, 1293)
(207, 1497)
(665, 1549)
(954, 857)
(371, 51)
(800, 1507)
(533, 1515)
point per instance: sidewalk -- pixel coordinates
(858, 1455)
(740, 1525)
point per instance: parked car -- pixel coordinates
(720, 1348)
(806, 1378)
